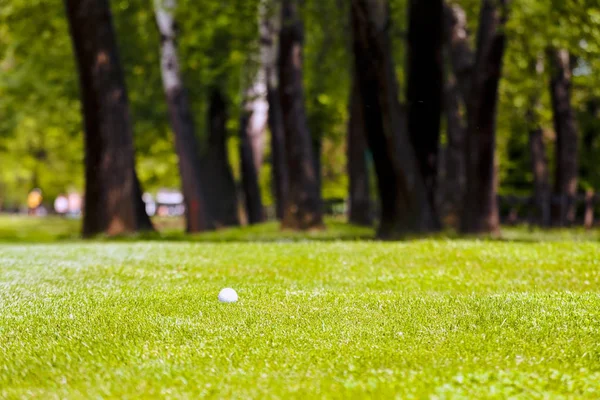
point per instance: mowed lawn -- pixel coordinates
(432, 318)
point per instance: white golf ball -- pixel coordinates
(228, 295)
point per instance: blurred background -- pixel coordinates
(412, 116)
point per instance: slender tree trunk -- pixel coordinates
(278, 158)
(303, 208)
(405, 205)
(111, 189)
(425, 86)
(480, 211)
(359, 194)
(588, 214)
(454, 179)
(182, 123)
(270, 25)
(219, 186)
(253, 123)
(317, 146)
(459, 46)
(537, 151)
(458, 81)
(539, 166)
(565, 126)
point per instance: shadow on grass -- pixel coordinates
(21, 229)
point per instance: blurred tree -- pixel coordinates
(303, 208)
(270, 25)
(567, 141)
(220, 190)
(196, 214)
(405, 206)
(425, 87)
(254, 118)
(480, 210)
(359, 198)
(112, 195)
(459, 61)
(537, 149)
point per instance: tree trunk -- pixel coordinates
(111, 198)
(425, 87)
(539, 161)
(461, 54)
(219, 186)
(405, 206)
(458, 82)
(317, 146)
(196, 215)
(358, 172)
(278, 158)
(253, 123)
(588, 214)
(454, 179)
(565, 126)
(539, 166)
(270, 21)
(480, 211)
(303, 209)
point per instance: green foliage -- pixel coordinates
(421, 319)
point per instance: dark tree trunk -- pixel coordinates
(358, 172)
(112, 203)
(219, 186)
(537, 151)
(425, 86)
(565, 126)
(539, 166)
(270, 21)
(458, 78)
(480, 211)
(253, 123)
(182, 123)
(303, 208)
(278, 158)
(461, 54)
(317, 146)
(454, 179)
(404, 203)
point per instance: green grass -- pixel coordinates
(19, 229)
(429, 318)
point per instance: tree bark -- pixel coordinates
(196, 215)
(454, 179)
(458, 82)
(480, 211)
(537, 151)
(253, 123)
(358, 172)
(303, 209)
(404, 203)
(565, 126)
(462, 58)
(219, 185)
(112, 201)
(456, 91)
(425, 87)
(270, 25)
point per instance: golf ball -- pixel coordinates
(228, 295)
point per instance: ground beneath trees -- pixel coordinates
(334, 319)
